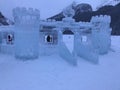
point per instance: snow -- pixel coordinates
(53, 73)
(109, 2)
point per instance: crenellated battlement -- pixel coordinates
(25, 16)
(101, 18)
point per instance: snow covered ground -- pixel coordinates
(53, 73)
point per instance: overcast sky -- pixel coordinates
(46, 7)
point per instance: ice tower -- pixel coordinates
(101, 33)
(26, 33)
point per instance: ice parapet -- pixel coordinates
(24, 17)
(7, 40)
(26, 33)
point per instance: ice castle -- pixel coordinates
(30, 37)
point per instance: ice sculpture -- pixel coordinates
(65, 53)
(33, 36)
(101, 33)
(6, 40)
(26, 33)
(85, 50)
(69, 11)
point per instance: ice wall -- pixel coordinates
(26, 33)
(101, 33)
(48, 47)
(85, 49)
(0, 38)
(65, 53)
(7, 40)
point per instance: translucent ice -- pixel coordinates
(26, 33)
(66, 54)
(101, 33)
(85, 50)
(26, 43)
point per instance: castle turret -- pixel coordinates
(101, 33)
(26, 33)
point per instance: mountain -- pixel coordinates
(4, 20)
(108, 2)
(113, 11)
(80, 8)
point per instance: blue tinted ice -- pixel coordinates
(26, 33)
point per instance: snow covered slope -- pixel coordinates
(53, 73)
(109, 2)
(112, 2)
